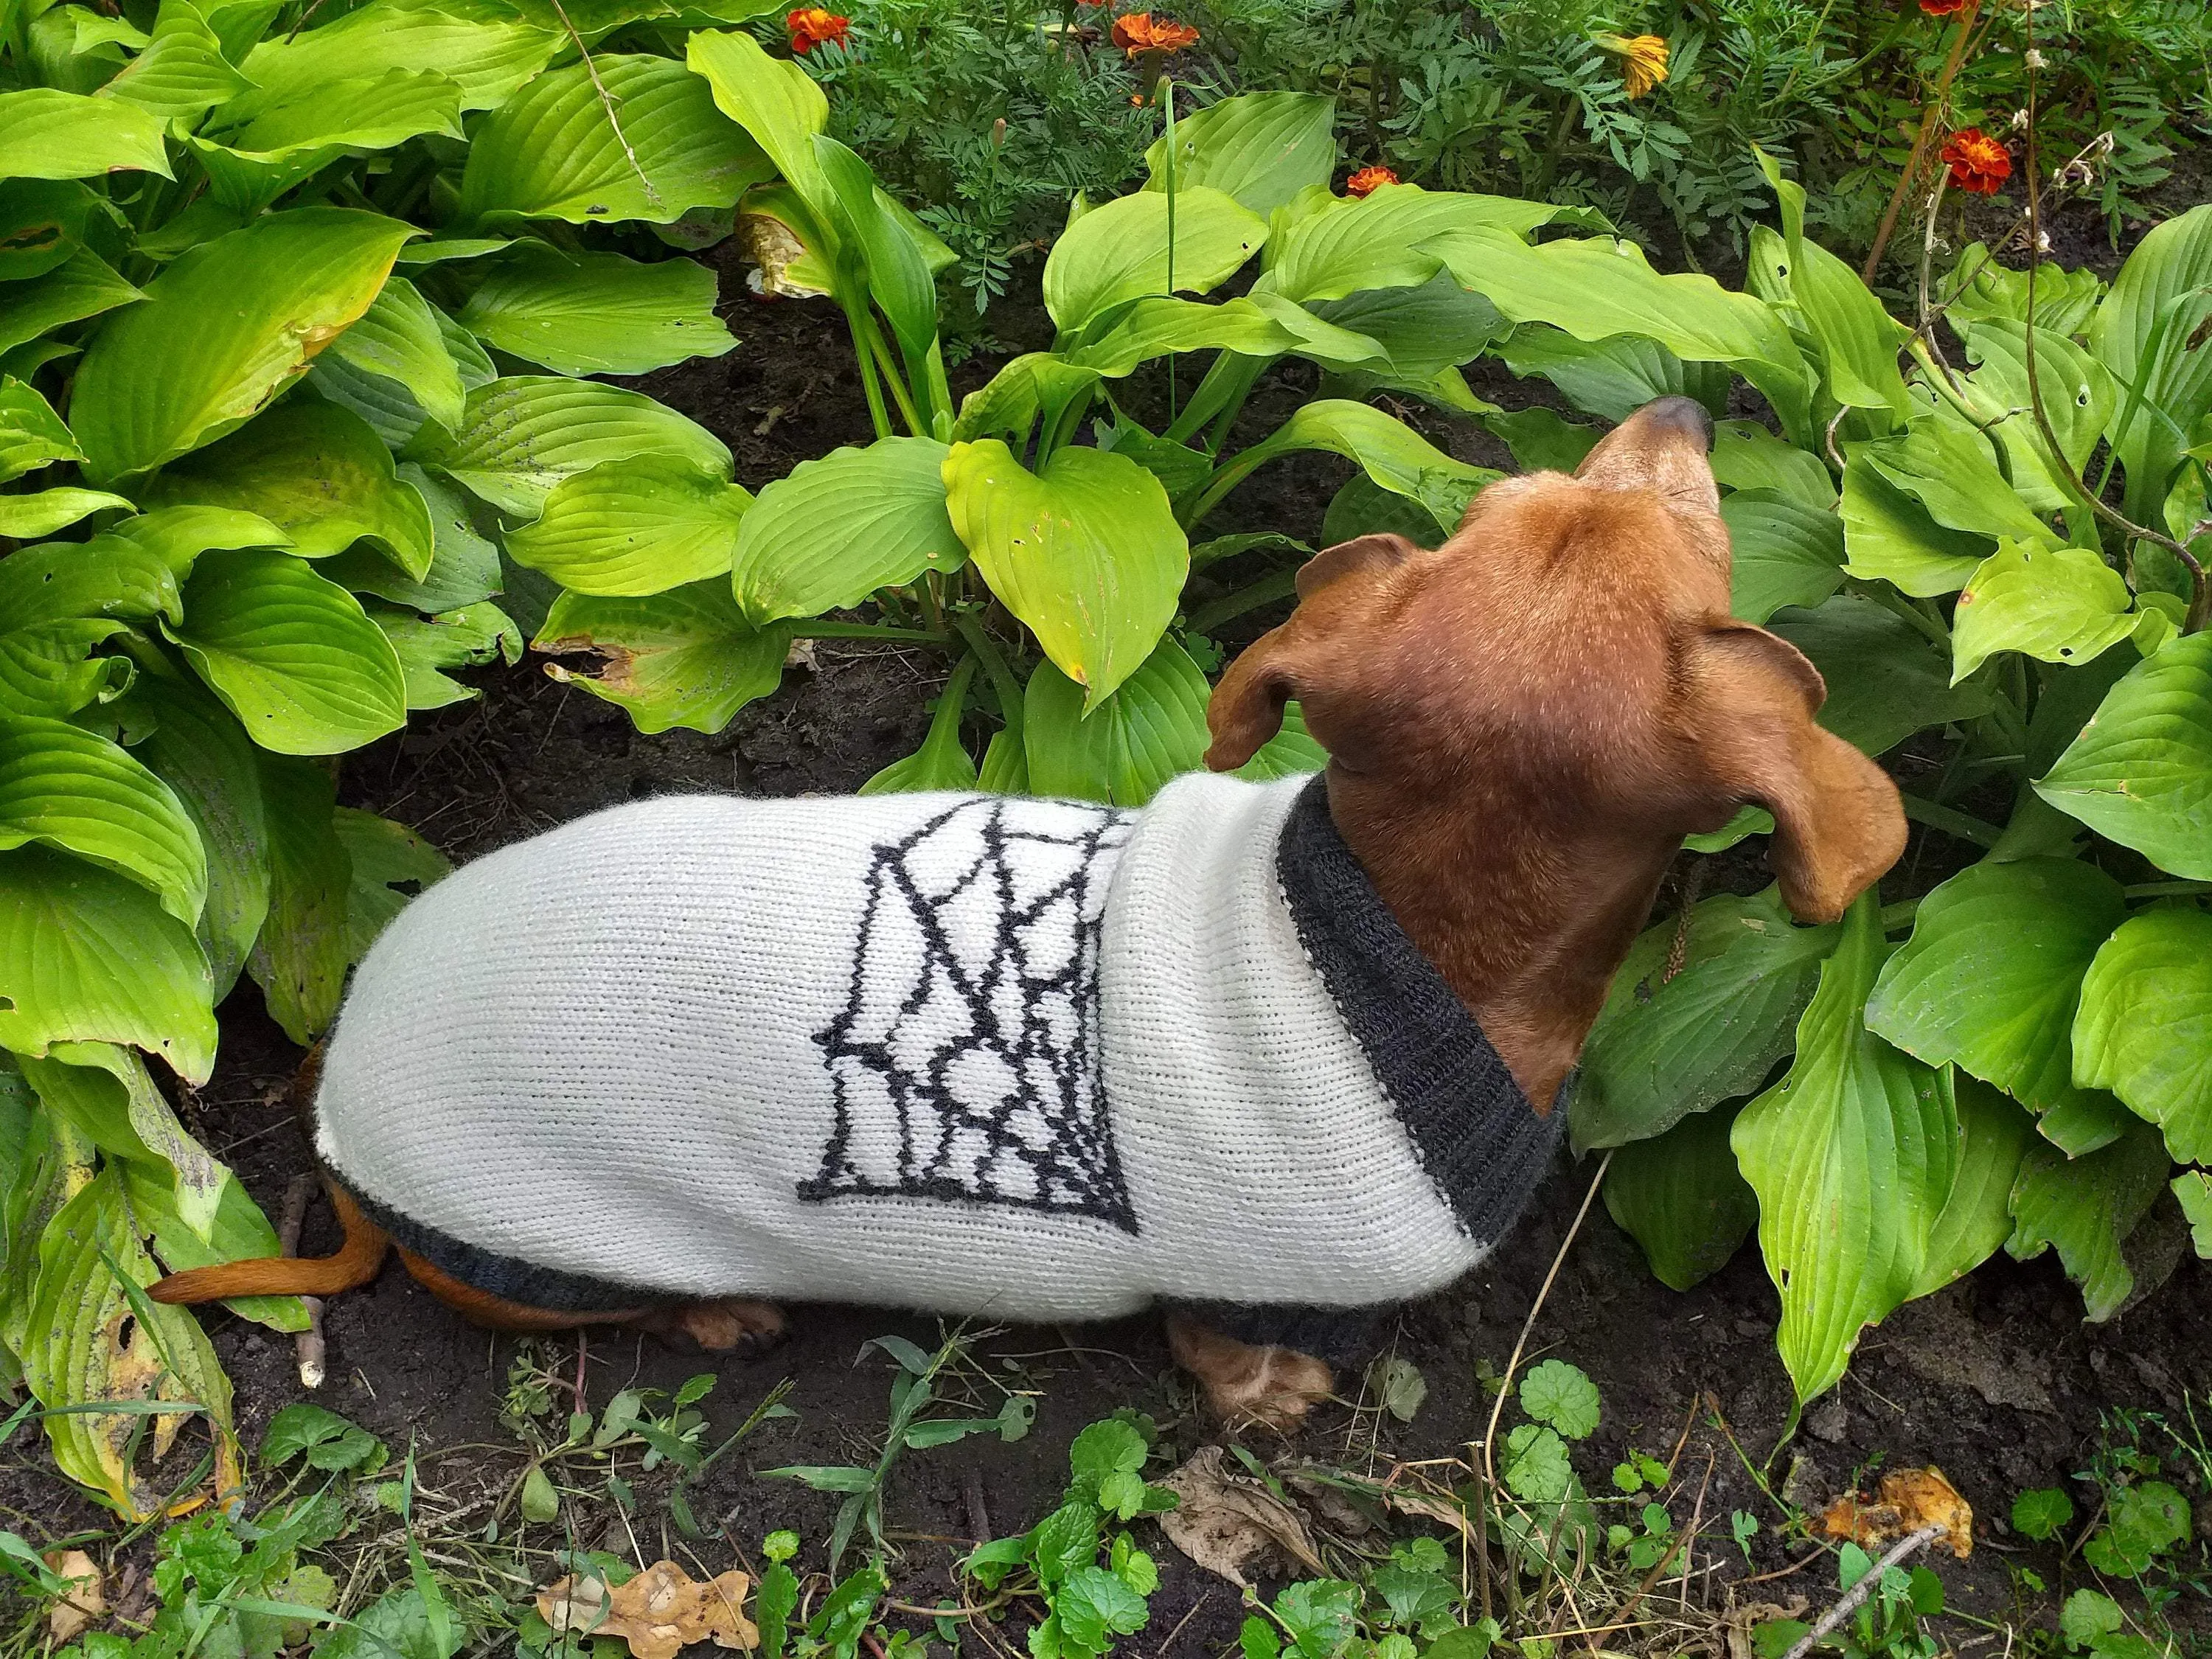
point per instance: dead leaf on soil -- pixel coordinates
(1739, 1622)
(1910, 1499)
(656, 1614)
(86, 1603)
(1227, 1523)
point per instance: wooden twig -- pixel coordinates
(1929, 116)
(1855, 1596)
(309, 1342)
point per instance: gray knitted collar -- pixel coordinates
(1473, 1130)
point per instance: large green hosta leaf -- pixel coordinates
(1120, 252)
(1787, 552)
(550, 152)
(387, 858)
(300, 958)
(1853, 1156)
(1346, 246)
(1614, 377)
(316, 471)
(196, 749)
(1681, 1197)
(1664, 1047)
(255, 148)
(2140, 771)
(88, 957)
(27, 518)
(1262, 148)
(2145, 334)
(222, 331)
(596, 313)
(2078, 396)
(401, 339)
(294, 656)
(426, 646)
(2088, 1206)
(772, 99)
(1129, 744)
(1976, 1220)
(1951, 471)
(1890, 537)
(1858, 340)
(91, 1341)
(1886, 679)
(687, 658)
(523, 435)
(82, 794)
(832, 531)
(638, 526)
(2144, 1030)
(44, 134)
(84, 285)
(487, 57)
(1747, 457)
(31, 434)
(1392, 454)
(1086, 552)
(2061, 604)
(1992, 974)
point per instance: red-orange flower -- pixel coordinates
(1139, 33)
(1368, 179)
(1944, 8)
(1978, 162)
(811, 26)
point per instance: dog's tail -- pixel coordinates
(355, 1263)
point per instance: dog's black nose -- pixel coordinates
(1683, 414)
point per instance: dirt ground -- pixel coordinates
(1995, 1380)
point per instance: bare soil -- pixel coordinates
(1997, 1380)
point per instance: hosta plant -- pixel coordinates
(293, 299)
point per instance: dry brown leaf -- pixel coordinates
(1910, 1499)
(85, 1605)
(1739, 1622)
(1227, 1523)
(656, 1614)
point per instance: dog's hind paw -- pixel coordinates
(734, 1325)
(1249, 1386)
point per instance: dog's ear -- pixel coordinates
(1839, 822)
(1314, 654)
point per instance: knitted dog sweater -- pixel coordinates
(970, 1053)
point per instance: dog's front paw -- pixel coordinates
(1249, 1386)
(748, 1329)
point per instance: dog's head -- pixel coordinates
(1570, 652)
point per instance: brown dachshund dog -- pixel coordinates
(1521, 725)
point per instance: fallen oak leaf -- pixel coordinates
(1909, 1500)
(1226, 1523)
(656, 1614)
(85, 1602)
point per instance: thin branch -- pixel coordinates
(607, 103)
(1855, 1596)
(1928, 116)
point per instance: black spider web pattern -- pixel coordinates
(965, 1065)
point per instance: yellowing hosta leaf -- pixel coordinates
(634, 527)
(2088, 1206)
(91, 1341)
(1853, 1156)
(1681, 1197)
(2055, 604)
(196, 749)
(316, 471)
(31, 434)
(1154, 327)
(487, 59)
(107, 1091)
(82, 286)
(82, 794)
(2144, 1030)
(1087, 553)
(685, 658)
(1992, 974)
(301, 957)
(833, 530)
(549, 151)
(27, 518)
(88, 957)
(44, 134)
(1348, 246)
(294, 656)
(2192, 1190)
(222, 331)
(1785, 552)
(1663, 1048)
(2140, 771)
(1118, 252)
(1262, 148)
(522, 435)
(1129, 744)
(596, 313)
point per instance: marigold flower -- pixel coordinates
(1138, 33)
(811, 26)
(1978, 162)
(1944, 8)
(1643, 59)
(1368, 179)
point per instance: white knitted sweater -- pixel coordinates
(1026, 1058)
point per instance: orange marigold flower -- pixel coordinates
(1643, 59)
(1368, 179)
(811, 26)
(1978, 162)
(1139, 33)
(1943, 8)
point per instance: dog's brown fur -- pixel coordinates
(1521, 726)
